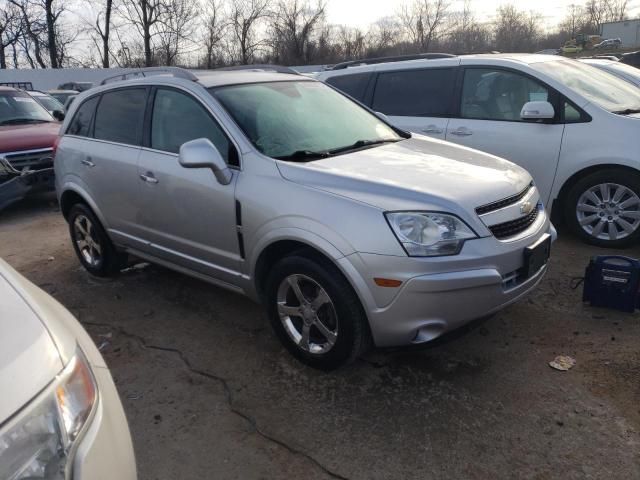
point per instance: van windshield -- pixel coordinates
(601, 88)
(301, 120)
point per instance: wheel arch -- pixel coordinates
(72, 195)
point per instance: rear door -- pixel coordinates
(418, 100)
(101, 147)
(188, 216)
(111, 162)
(488, 119)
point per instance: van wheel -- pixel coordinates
(315, 313)
(603, 208)
(91, 243)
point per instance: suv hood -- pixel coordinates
(417, 173)
(29, 359)
(15, 138)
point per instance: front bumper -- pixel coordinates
(441, 294)
(17, 187)
(105, 451)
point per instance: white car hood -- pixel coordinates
(412, 173)
(29, 359)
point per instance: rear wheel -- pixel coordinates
(91, 243)
(603, 208)
(315, 313)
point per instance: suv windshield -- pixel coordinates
(18, 107)
(601, 88)
(301, 120)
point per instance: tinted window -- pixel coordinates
(119, 116)
(414, 93)
(178, 118)
(81, 122)
(354, 85)
(498, 94)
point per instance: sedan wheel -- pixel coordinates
(307, 314)
(609, 211)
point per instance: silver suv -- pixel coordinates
(348, 230)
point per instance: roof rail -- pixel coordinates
(261, 68)
(397, 58)
(151, 71)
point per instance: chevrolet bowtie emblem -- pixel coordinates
(526, 208)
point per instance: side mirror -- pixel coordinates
(58, 115)
(201, 153)
(537, 111)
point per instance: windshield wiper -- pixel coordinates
(361, 144)
(628, 111)
(16, 121)
(304, 156)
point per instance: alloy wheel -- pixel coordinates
(307, 314)
(88, 246)
(609, 211)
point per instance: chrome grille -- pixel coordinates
(31, 159)
(505, 202)
(514, 227)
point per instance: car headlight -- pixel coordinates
(38, 445)
(429, 234)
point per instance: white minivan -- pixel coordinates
(574, 127)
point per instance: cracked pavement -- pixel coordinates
(210, 393)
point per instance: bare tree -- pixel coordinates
(516, 30)
(245, 18)
(382, 37)
(292, 27)
(177, 28)
(466, 34)
(144, 16)
(11, 29)
(214, 25)
(422, 21)
(100, 27)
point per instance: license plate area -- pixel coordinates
(536, 256)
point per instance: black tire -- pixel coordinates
(625, 178)
(353, 336)
(110, 261)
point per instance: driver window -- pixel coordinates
(178, 118)
(498, 94)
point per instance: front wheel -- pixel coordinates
(315, 313)
(603, 208)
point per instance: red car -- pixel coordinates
(27, 137)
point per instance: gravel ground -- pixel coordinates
(210, 393)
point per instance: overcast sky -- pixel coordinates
(364, 12)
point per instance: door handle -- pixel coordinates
(87, 162)
(432, 129)
(148, 177)
(461, 132)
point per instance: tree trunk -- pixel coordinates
(51, 34)
(3, 59)
(105, 37)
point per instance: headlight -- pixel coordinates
(38, 445)
(426, 234)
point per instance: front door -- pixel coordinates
(417, 100)
(188, 217)
(489, 121)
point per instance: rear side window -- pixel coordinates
(81, 123)
(353, 85)
(415, 93)
(178, 118)
(120, 115)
